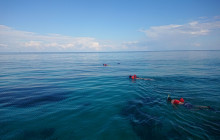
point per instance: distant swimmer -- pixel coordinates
(105, 65)
(135, 77)
(186, 104)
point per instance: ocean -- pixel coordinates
(73, 96)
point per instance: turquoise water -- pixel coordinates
(72, 96)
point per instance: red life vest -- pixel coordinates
(182, 100)
(176, 102)
(135, 76)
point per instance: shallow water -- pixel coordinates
(72, 96)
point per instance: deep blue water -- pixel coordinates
(72, 96)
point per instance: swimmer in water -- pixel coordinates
(105, 64)
(186, 104)
(135, 77)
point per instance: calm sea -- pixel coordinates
(73, 96)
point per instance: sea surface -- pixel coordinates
(67, 96)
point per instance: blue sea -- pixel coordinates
(62, 96)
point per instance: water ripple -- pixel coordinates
(72, 96)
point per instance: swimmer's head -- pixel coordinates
(129, 76)
(169, 99)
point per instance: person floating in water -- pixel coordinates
(135, 77)
(105, 64)
(186, 104)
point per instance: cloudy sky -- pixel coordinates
(109, 25)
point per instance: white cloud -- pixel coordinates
(217, 17)
(29, 41)
(193, 28)
(32, 44)
(159, 31)
(185, 36)
(196, 44)
(200, 34)
(52, 44)
(3, 45)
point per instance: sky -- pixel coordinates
(109, 25)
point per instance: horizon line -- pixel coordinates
(101, 51)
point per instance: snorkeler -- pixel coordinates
(135, 77)
(186, 104)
